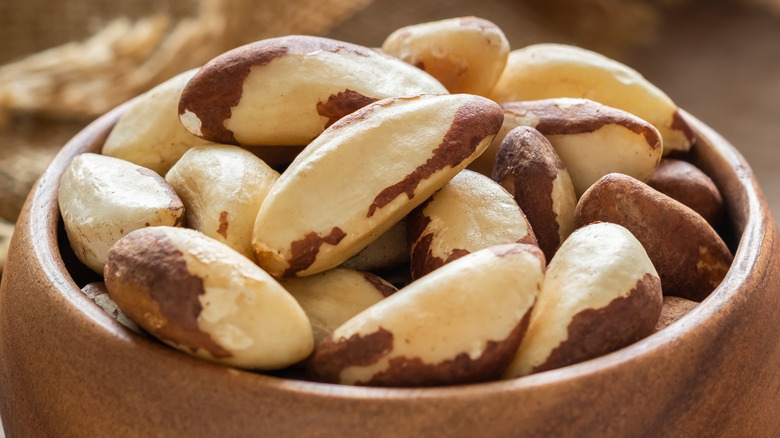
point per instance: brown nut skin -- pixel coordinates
(201, 297)
(600, 293)
(689, 255)
(98, 294)
(315, 81)
(459, 324)
(686, 183)
(528, 167)
(674, 308)
(471, 212)
(466, 54)
(590, 138)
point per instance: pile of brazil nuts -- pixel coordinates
(439, 211)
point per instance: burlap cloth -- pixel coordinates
(63, 63)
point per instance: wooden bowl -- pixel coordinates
(67, 369)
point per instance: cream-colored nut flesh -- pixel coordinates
(528, 167)
(591, 139)
(98, 294)
(469, 213)
(365, 173)
(222, 188)
(466, 54)
(460, 324)
(149, 133)
(103, 198)
(286, 90)
(674, 308)
(690, 256)
(387, 251)
(199, 296)
(544, 71)
(601, 293)
(688, 184)
(332, 297)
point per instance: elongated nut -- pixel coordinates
(591, 139)
(332, 297)
(466, 54)
(387, 251)
(461, 323)
(674, 308)
(98, 294)
(689, 255)
(471, 212)
(149, 133)
(103, 198)
(222, 188)
(528, 167)
(201, 297)
(285, 91)
(365, 173)
(601, 293)
(544, 71)
(688, 184)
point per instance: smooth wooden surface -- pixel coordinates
(68, 370)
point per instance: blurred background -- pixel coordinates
(63, 63)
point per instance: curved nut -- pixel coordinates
(689, 255)
(471, 212)
(543, 71)
(686, 183)
(332, 297)
(459, 324)
(365, 173)
(528, 167)
(103, 198)
(159, 144)
(601, 293)
(201, 297)
(466, 54)
(285, 91)
(222, 188)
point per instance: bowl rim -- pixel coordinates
(750, 225)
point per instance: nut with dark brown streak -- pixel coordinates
(528, 167)
(286, 90)
(601, 293)
(460, 324)
(199, 296)
(469, 213)
(689, 255)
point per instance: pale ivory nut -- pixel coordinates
(591, 139)
(387, 251)
(601, 293)
(466, 54)
(332, 297)
(471, 212)
(528, 167)
(365, 173)
(203, 298)
(276, 157)
(690, 256)
(688, 184)
(285, 91)
(222, 188)
(149, 132)
(98, 294)
(103, 198)
(544, 71)
(674, 308)
(460, 324)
